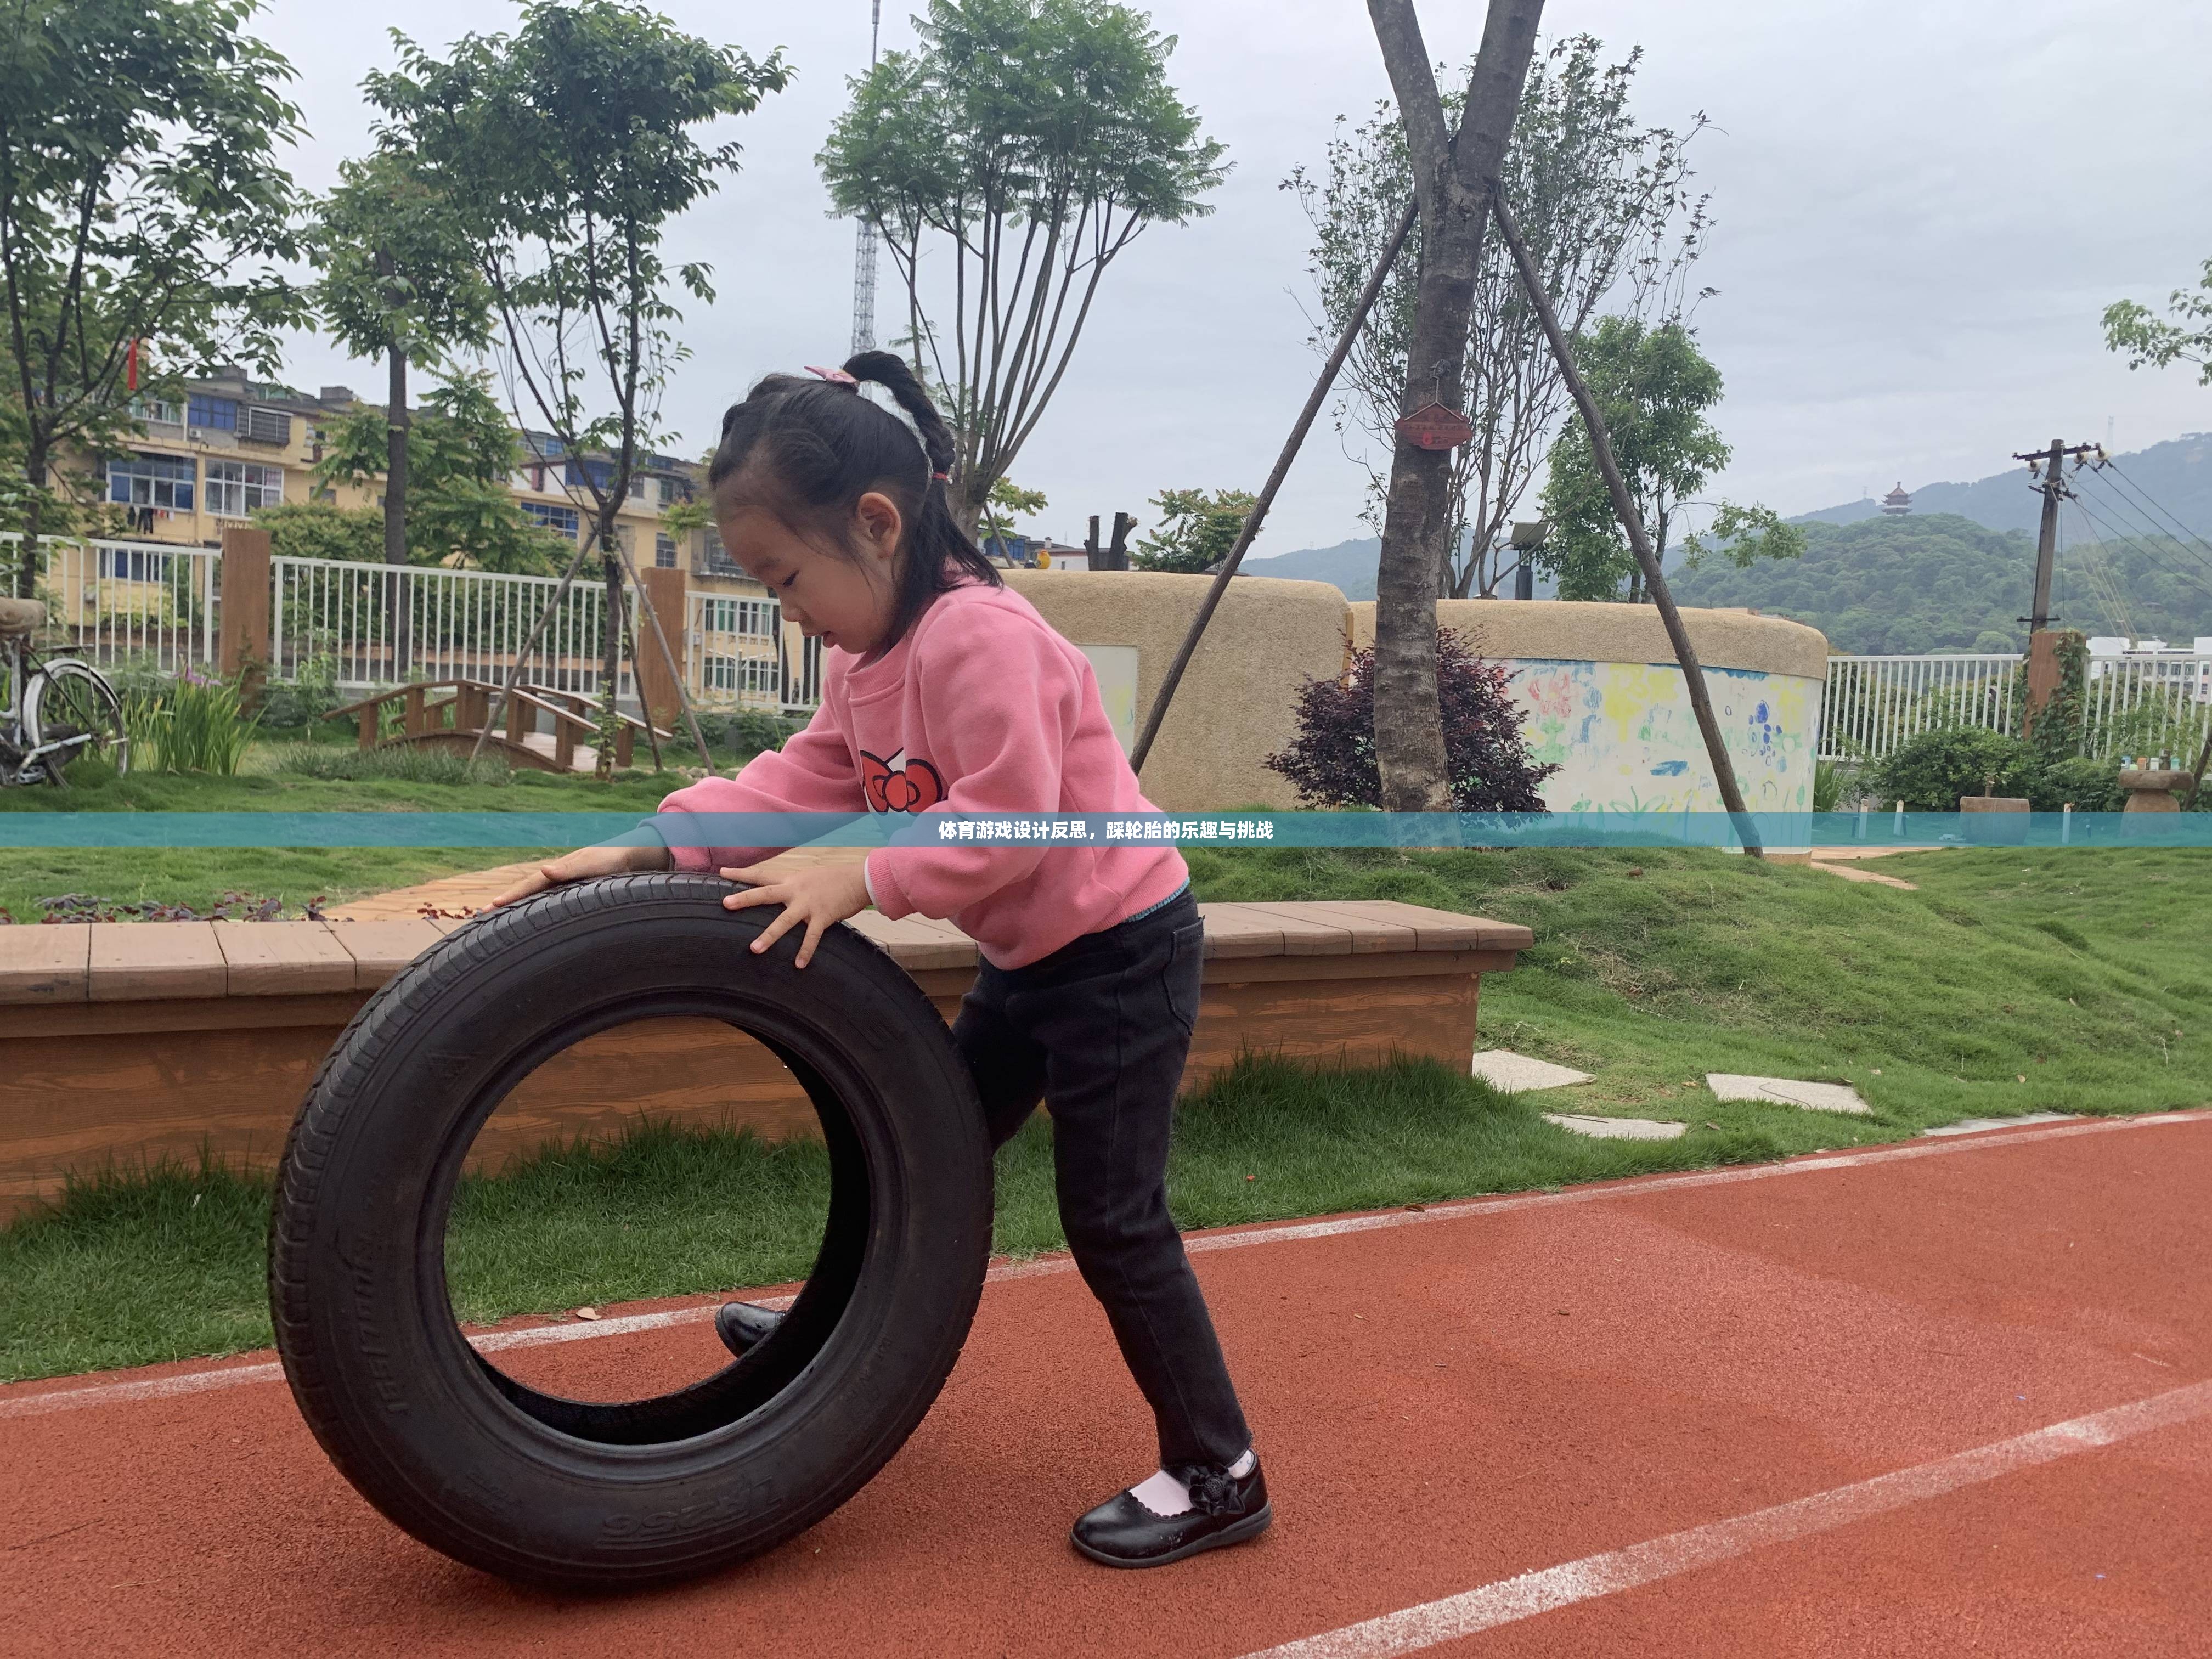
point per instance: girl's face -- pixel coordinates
(844, 601)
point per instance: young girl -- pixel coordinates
(943, 690)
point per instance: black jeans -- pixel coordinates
(1099, 1030)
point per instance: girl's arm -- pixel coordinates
(1003, 703)
(811, 773)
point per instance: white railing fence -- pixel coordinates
(125, 606)
(2144, 703)
(742, 655)
(381, 624)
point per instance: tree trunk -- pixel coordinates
(617, 622)
(26, 549)
(395, 504)
(1453, 175)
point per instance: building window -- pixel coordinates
(234, 489)
(742, 674)
(561, 521)
(157, 409)
(664, 552)
(219, 413)
(719, 561)
(637, 488)
(133, 564)
(670, 491)
(600, 473)
(159, 481)
(759, 617)
(266, 426)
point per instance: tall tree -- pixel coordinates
(142, 210)
(575, 141)
(1606, 204)
(1030, 141)
(1654, 388)
(398, 282)
(1454, 172)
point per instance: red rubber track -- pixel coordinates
(1441, 1405)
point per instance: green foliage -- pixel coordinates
(1196, 530)
(2060, 723)
(393, 250)
(1605, 206)
(1930, 772)
(301, 701)
(322, 530)
(140, 199)
(2091, 785)
(2185, 336)
(1936, 582)
(460, 450)
(565, 149)
(746, 732)
(1829, 778)
(1654, 388)
(188, 724)
(403, 763)
(1032, 141)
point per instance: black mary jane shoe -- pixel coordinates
(1226, 1509)
(743, 1327)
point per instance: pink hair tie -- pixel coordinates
(943, 478)
(837, 374)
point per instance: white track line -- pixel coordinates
(1509, 1600)
(163, 1388)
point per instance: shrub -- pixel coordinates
(2093, 786)
(1333, 760)
(312, 693)
(747, 731)
(1931, 771)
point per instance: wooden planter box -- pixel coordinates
(129, 1042)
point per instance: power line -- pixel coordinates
(2136, 489)
(2136, 540)
(2124, 509)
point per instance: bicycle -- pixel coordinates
(58, 709)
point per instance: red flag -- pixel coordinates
(131, 367)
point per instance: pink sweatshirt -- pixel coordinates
(980, 707)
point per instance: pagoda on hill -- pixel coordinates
(1897, 504)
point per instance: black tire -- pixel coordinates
(574, 1494)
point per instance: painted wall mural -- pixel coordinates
(1626, 740)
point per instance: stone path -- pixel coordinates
(1853, 873)
(1967, 1126)
(1787, 1092)
(1503, 1069)
(1619, 1128)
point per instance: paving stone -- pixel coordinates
(1618, 1128)
(1502, 1069)
(1787, 1092)
(1966, 1125)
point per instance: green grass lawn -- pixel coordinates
(197, 876)
(2084, 972)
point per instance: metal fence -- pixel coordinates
(2150, 702)
(124, 604)
(379, 625)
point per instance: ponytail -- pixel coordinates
(808, 450)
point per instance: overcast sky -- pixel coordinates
(1921, 213)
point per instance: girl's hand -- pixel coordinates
(582, 864)
(820, 897)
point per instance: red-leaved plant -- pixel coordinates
(1333, 760)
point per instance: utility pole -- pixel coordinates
(2054, 490)
(2042, 642)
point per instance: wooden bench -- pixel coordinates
(135, 1042)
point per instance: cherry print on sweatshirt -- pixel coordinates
(900, 785)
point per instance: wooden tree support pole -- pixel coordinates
(675, 669)
(1290, 445)
(1632, 521)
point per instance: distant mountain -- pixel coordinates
(1939, 582)
(2175, 476)
(1350, 566)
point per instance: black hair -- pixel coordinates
(807, 449)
